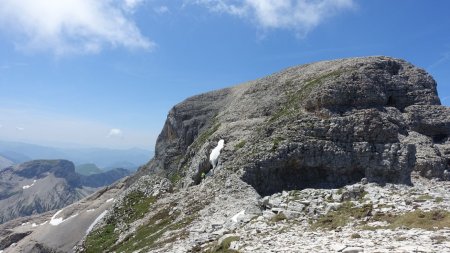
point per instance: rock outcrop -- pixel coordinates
(324, 124)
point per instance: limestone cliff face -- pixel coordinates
(323, 124)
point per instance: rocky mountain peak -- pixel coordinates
(332, 156)
(40, 168)
(323, 124)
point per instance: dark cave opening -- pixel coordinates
(269, 180)
(391, 101)
(440, 138)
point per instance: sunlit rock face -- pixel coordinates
(324, 124)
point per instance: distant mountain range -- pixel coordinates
(41, 185)
(17, 152)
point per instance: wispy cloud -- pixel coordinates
(71, 26)
(300, 16)
(131, 5)
(115, 132)
(161, 9)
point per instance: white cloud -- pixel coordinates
(20, 128)
(161, 9)
(131, 5)
(115, 132)
(71, 26)
(300, 16)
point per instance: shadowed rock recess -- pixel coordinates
(324, 124)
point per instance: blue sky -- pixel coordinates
(106, 72)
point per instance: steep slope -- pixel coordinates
(327, 145)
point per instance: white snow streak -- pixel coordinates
(214, 156)
(109, 200)
(28, 186)
(56, 221)
(96, 221)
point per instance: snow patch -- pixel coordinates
(56, 221)
(109, 200)
(90, 210)
(96, 221)
(34, 225)
(28, 186)
(43, 223)
(214, 156)
(236, 216)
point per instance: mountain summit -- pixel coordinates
(321, 157)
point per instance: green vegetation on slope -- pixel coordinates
(135, 206)
(342, 216)
(296, 98)
(429, 220)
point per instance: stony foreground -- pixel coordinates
(310, 220)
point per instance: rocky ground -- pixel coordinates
(367, 233)
(364, 217)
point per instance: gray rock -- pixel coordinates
(353, 250)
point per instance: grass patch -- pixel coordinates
(439, 239)
(423, 198)
(278, 217)
(296, 98)
(148, 235)
(225, 245)
(135, 206)
(342, 216)
(175, 177)
(355, 236)
(438, 199)
(240, 145)
(202, 138)
(101, 239)
(417, 219)
(276, 143)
